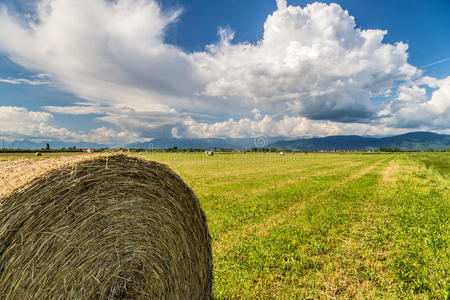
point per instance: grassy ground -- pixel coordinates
(438, 162)
(324, 225)
(18, 156)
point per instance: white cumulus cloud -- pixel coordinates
(412, 108)
(312, 61)
(18, 123)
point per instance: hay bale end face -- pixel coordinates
(103, 227)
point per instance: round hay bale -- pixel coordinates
(38, 154)
(102, 227)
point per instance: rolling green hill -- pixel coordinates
(409, 141)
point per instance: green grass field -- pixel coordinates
(324, 225)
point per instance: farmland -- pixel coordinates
(323, 225)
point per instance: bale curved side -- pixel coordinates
(104, 227)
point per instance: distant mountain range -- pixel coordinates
(158, 143)
(210, 143)
(409, 141)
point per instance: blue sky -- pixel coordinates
(131, 70)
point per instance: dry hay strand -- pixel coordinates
(103, 227)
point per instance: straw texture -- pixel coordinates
(108, 227)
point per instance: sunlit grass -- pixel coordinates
(324, 225)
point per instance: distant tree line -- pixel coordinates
(384, 149)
